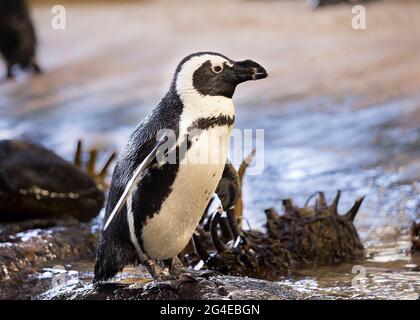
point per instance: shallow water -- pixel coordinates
(328, 145)
(310, 145)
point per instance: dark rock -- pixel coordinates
(202, 288)
(36, 247)
(37, 183)
(26, 252)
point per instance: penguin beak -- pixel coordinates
(248, 70)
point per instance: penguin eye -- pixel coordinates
(217, 69)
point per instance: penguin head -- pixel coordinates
(213, 74)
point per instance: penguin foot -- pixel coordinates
(151, 268)
(190, 277)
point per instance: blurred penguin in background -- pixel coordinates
(17, 37)
(322, 3)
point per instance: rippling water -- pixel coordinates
(310, 145)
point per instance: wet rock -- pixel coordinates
(36, 247)
(37, 183)
(9, 231)
(202, 288)
(24, 253)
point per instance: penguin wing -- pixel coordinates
(133, 182)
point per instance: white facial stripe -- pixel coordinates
(221, 63)
(184, 80)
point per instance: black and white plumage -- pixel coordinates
(158, 216)
(17, 36)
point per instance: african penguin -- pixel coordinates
(17, 36)
(154, 207)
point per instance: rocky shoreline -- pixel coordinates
(27, 252)
(199, 288)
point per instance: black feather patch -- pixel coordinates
(207, 123)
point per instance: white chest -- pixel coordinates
(168, 232)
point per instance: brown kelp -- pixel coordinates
(297, 238)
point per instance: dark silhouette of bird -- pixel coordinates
(17, 37)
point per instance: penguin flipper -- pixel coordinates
(132, 184)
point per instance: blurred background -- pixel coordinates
(340, 109)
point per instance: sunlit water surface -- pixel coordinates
(310, 145)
